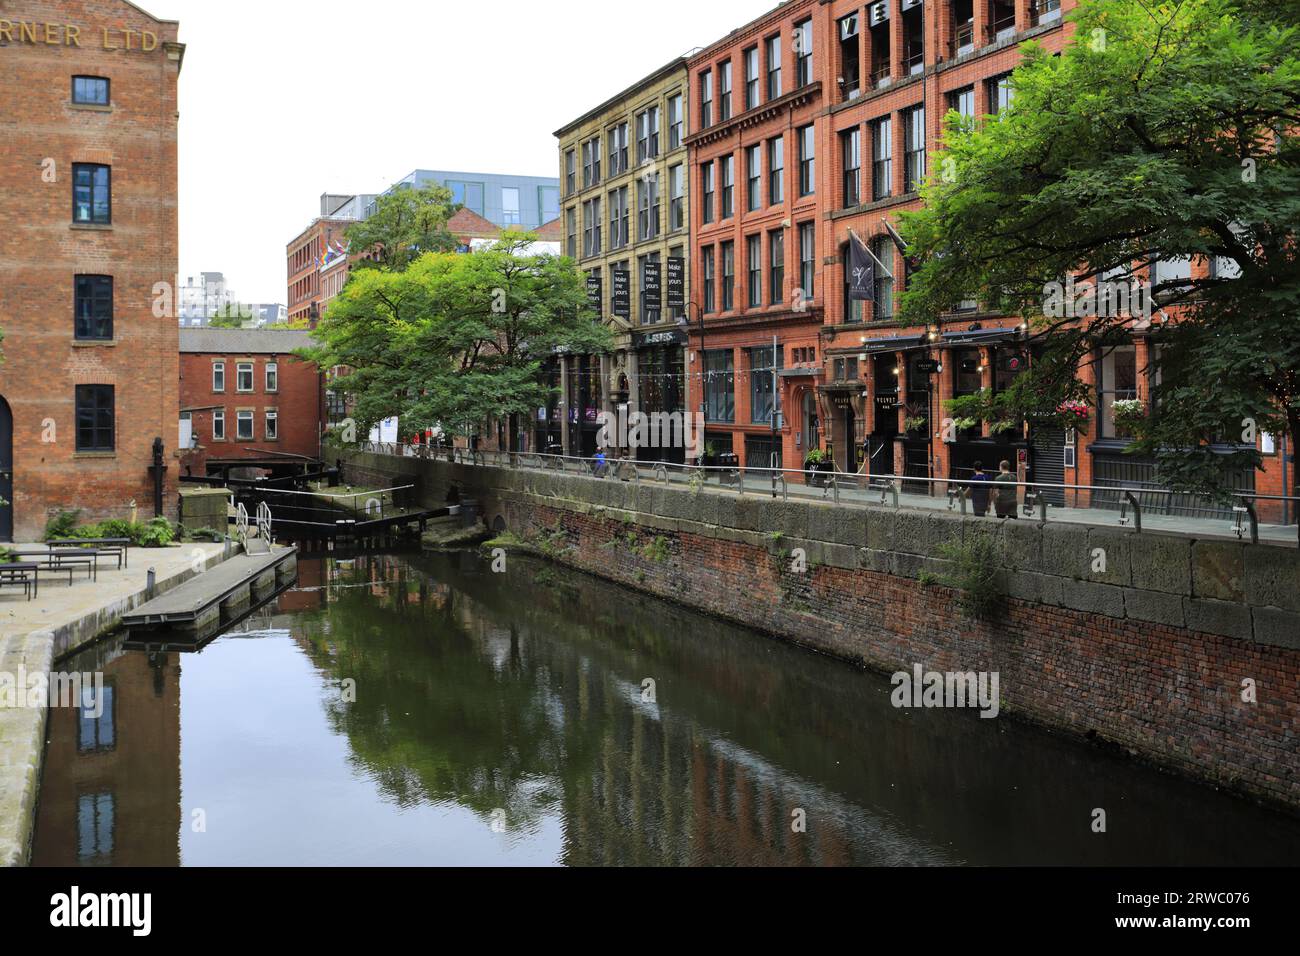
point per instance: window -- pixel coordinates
(850, 48)
(807, 263)
(676, 197)
(765, 365)
(706, 270)
(1044, 11)
(851, 152)
(753, 177)
(244, 425)
(93, 308)
(218, 376)
(962, 102)
(647, 134)
(272, 376)
(963, 27)
(776, 266)
(618, 162)
(706, 99)
(853, 308)
(90, 91)
(219, 425)
(95, 418)
(244, 377)
(728, 276)
(775, 171)
(884, 305)
(751, 77)
(618, 218)
(510, 205)
(570, 172)
(469, 195)
(882, 158)
(548, 201)
(647, 210)
(571, 232)
(728, 186)
(754, 261)
(590, 162)
(272, 425)
(1001, 94)
(95, 827)
(914, 151)
(92, 193)
(803, 50)
(97, 720)
(807, 161)
(720, 385)
(706, 189)
(676, 121)
(591, 228)
(1170, 277)
(724, 90)
(1118, 381)
(773, 67)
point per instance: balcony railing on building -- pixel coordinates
(963, 40)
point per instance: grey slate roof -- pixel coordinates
(245, 341)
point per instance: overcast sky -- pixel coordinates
(282, 100)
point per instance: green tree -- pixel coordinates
(406, 224)
(1165, 130)
(231, 316)
(457, 337)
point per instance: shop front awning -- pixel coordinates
(982, 336)
(891, 343)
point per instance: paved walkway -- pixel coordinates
(59, 607)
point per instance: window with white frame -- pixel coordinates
(244, 377)
(272, 424)
(218, 376)
(219, 425)
(244, 425)
(272, 376)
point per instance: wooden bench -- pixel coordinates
(115, 546)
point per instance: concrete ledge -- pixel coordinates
(1155, 607)
(1276, 627)
(22, 748)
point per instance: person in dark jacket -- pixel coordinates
(1006, 491)
(979, 491)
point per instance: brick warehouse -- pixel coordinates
(251, 403)
(88, 184)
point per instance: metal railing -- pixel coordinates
(862, 490)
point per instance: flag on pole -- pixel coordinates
(862, 270)
(912, 262)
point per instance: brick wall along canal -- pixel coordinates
(504, 719)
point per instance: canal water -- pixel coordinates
(418, 709)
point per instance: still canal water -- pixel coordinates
(504, 719)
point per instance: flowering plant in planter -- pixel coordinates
(1129, 413)
(915, 423)
(1073, 414)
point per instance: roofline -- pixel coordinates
(140, 9)
(677, 63)
(783, 7)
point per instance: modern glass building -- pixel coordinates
(522, 202)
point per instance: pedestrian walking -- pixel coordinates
(1005, 502)
(979, 490)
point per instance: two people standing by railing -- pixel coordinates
(1003, 498)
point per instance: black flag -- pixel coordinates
(862, 271)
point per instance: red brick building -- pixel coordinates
(306, 256)
(250, 402)
(88, 120)
(757, 251)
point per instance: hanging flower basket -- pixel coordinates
(1073, 415)
(1129, 413)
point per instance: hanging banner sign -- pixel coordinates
(676, 281)
(594, 294)
(621, 302)
(652, 291)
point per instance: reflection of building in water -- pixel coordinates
(111, 791)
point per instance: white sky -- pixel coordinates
(282, 100)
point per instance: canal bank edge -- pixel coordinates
(22, 729)
(1150, 655)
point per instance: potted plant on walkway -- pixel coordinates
(817, 465)
(1129, 413)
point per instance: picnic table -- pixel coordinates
(65, 558)
(28, 574)
(115, 546)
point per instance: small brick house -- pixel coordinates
(251, 403)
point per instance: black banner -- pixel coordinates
(652, 288)
(862, 271)
(594, 295)
(676, 281)
(621, 302)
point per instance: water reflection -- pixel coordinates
(509, 719)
